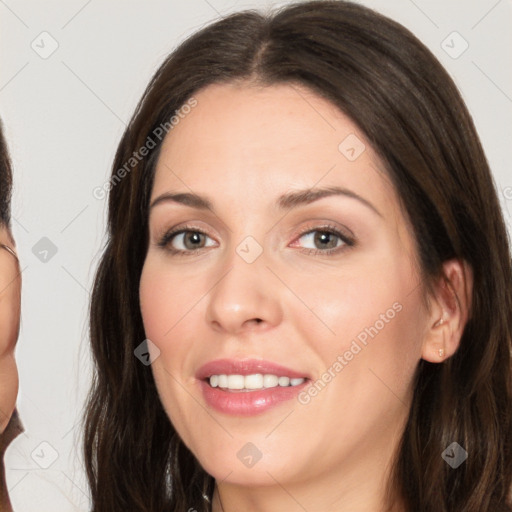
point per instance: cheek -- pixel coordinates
(153, 303)
(367, 363)
(166, 301)
(167, 307)
(347, 303)
(372, 318)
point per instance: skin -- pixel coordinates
(242, 147)
(10, 298)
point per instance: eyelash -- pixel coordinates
(329, 229)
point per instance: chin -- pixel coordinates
(242, 463)
(259, 475)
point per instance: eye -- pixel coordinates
(184, 241)
(189, 240)
(325, 240)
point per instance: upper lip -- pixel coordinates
(246, 367)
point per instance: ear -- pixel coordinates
(449, 312)
(10, 303)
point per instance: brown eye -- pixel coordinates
(193, 240)
(325, 241)
(184, 241)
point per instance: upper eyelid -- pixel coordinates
(318, 226)
(224, 228)
(327, 226)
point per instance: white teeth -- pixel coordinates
(284, 381)
(270, 381)
(236, 382)
(253, 381)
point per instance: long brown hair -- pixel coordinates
(408, 107)
(5, 181)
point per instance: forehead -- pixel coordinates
(248, 143)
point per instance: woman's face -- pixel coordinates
(10, 289)
(270, 281)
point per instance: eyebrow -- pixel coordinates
(286, 201)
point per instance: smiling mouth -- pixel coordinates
(253, 382)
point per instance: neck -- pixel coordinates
(294, 499)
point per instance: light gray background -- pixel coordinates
(64, 116)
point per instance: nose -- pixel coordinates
(245, 298)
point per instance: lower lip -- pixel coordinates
(248, 403)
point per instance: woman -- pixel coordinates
(10, 289)
(305, 299)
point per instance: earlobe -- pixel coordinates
(449, 313)
(435, 346)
